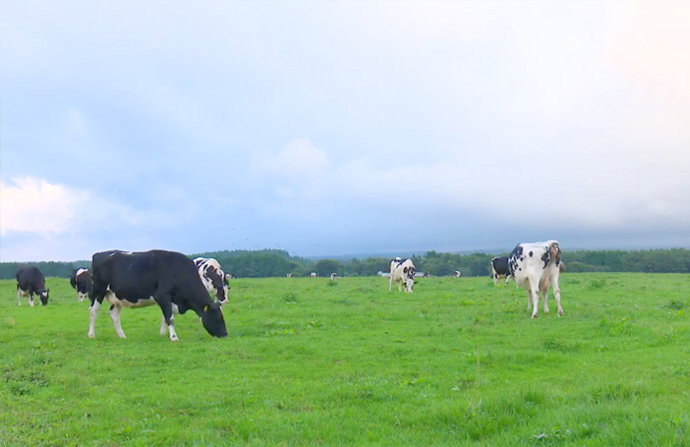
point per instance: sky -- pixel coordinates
(335, 128)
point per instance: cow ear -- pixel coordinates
(206, 308)
(404, 269)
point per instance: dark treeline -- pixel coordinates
(269, 263)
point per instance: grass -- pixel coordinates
(457, 362)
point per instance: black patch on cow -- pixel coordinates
(531, 254)
(546, 257)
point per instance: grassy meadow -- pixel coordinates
(310, 362)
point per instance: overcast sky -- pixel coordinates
(333, 128)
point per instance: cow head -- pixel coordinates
(43, 296)
(213, 321)
(409, 273)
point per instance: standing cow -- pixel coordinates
(499, 269)
(402, 271)
(31, 281)
(535, 267)
(138, 279)
(81, 282)
(213, 277)
(334, 276)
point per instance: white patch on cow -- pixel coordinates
(171, 330)
(81, 296)
(80, 271)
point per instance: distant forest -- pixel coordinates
(277, 263)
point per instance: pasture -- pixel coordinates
(311, 362)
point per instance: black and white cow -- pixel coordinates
(334, 276)
(81, 282)
(402, 271)
(138, 279)
(535, 267)
(499, 268)
(213, 277)
(31, 281)
(289, 275)
(457, 273)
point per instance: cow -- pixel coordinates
(334, 276)
(229, 276)
(81, 282)
(31, 281)
(402, 271)
(535, 268)
(499, 268)
(213, 277)
(457, 273)
(289, 275)
(138, 279)
(426, 275)
(313, 275)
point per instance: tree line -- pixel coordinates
(277, 263)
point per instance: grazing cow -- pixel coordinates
(426, 275)
(313, 275)
(229, 276)
(81, 282)
(31, 281)
(535, 267)
(334, 276)
(499, 268)
(402, 271)
(289, 275)
(457, 273)
(213, 277)
(166, 278)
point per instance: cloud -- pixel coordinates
(31, 205)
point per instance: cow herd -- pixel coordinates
(178, 284)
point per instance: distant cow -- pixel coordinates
(426, 275)
(81, 282)
(457, 273)
(402, 271)
(229, 276)
(535, 267)
(289, 275)
(166, 278)
(213, 277)
(334, 276)
(499, 268)
(313, 275)
(31, 281)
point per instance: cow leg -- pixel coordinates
(115, 312)
(495, 275)
(31, 299)
(164, 327)
(545, 297)
(390, 282)
(19, 297)
(507, 279)
(534, 294)
(93, 313)
(557, 294)
(163, 300)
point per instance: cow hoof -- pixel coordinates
(534, 316)
(174, 339)
(560, 313)
(92, 335)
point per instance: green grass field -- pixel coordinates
(308, 362)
